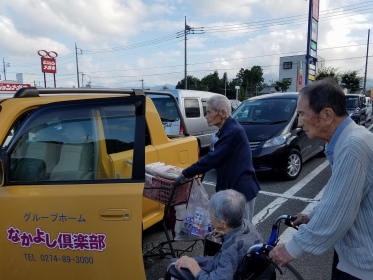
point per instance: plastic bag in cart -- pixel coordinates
(196, 222)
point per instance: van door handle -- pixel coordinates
(115, 214)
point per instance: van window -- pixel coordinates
(204, 105)
(192, 108)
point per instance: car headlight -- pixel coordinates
(276, 141)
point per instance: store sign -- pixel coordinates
(48, 65)
(7, 87)
(313, 45)
(48, 61)
(315, 9)
(314, 30)
(299, 77)
(313, 53)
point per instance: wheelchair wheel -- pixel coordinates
(288, 273)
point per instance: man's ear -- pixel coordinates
(328, 115)
(223, 114)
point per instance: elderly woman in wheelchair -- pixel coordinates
(238, 235)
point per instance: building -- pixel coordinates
(26, 78)
(289, 69)
(268, 89)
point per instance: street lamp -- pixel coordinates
(237, 88)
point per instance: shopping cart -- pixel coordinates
(169, 193)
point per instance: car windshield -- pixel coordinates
(352, 101)
(265, 111)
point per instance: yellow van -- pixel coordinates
(72, 169)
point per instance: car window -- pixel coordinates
(64, 143)
(265, 110)
(192, 108)
(119, 130)
(166, 107)
(352, 101)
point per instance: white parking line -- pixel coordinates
(274, 205)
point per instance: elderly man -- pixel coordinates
(226, 213)
(343, 217)
(231, 156)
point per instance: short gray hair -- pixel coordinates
(325, 94)
(228, 206)
(220, 102)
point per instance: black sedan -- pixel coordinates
(277, 143)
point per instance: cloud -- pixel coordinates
(84, 20)
(17, 44)
(241, 9)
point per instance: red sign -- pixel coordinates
(12, 87)
(48, 61)
(48, 65)
(299, 77)
(315, 9)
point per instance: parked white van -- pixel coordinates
(192, 104)
(368, 103)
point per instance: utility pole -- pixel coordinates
(142, 83)
(225, 85)
(188, 30)
(366, 62)
(7, 65)
(77, 67)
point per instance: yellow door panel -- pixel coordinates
(70, 232)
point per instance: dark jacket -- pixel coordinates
(232, 160)
(227, 263)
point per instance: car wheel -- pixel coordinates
(294, 165)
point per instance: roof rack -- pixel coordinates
(35, 92)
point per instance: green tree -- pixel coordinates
(212, 83)
(193, 83)
(283, 85)
(250, 80)
(328, 72)
(351, 81)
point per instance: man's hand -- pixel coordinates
(301, 219)
(189, 263)
(280, 255)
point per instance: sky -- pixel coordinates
(135, 43)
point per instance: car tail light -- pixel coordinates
(181, 132)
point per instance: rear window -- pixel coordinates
(352, 101)
(166, 108)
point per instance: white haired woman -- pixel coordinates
(238, 235)
(230, 155)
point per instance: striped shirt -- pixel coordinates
(343, 218)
